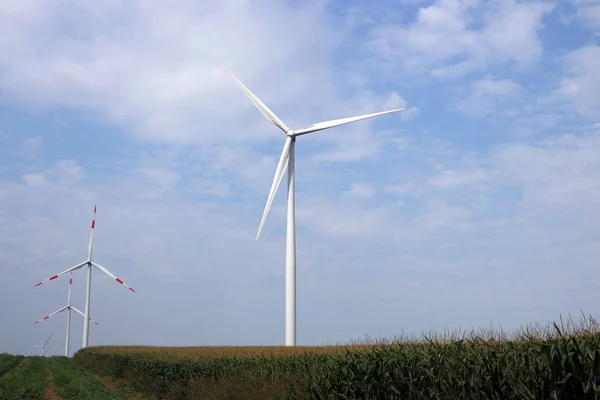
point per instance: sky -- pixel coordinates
(473, 207)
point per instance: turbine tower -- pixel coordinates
(286, 161)
(68, 307)
(89, 263)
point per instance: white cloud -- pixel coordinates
(589, 12)
(413, 2)
(396, 101)
(351, 144)
(340, 219)
(207, 186)
(159, 177)
(554, 171)
(531, 192)
(451, 179)
(67, 171)
(447, 39)
(30, 147)
(485, 95)
(35, 180)
(581, 85)
(63, 173)
(406, 189)
(443, 216)
(156, 72)
(360, 190)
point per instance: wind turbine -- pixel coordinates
(68, 307)
(89, 263)
(43, 347)
(286, 160)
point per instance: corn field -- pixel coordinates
(560, 361)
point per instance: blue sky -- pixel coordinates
(475, 205)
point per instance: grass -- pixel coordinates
(29, 381)
(537, 362)
(75, 384)
(26, 382)
(8, 362)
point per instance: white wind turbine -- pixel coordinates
(68, 307)
(43, 347)
(286, 160)
(90, 263)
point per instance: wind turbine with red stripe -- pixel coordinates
(89, 263)
(68, 307)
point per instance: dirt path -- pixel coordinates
(110, 386)
(50, 391)
(106, 383)
(7, 374)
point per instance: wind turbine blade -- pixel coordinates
(107, 272)
(62, 273)
(48, 339)
(91, 242)
(70, 286)
(78, 311)
(342, 121)
(82, 314)
(281, 167)
(270, 115)
(50, 315)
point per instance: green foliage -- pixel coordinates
(180, 377)
(536, 363)
(8, 362)
(74, 384)
(26, 382)
(556, 368)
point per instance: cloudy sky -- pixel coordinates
(477, 205)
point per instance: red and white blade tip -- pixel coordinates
(43, 319)
(73, 268)
(107, 272)
(49, 279)
(123, 283)
(94, 219)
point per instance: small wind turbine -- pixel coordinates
(90, 264)
(286, 160)
(68, 307)
(43, 347)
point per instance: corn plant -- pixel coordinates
(558, 361)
